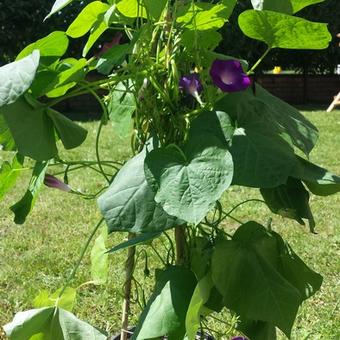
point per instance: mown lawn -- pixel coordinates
(40, 254)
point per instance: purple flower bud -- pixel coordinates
(228, 75)
(115, 41)
(54, 182)
(238, 338)
(191, 84)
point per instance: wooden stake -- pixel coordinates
(334, 103)
(181, 250)
(129, 267)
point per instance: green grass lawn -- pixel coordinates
(40, 254)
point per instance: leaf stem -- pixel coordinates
(259, 61)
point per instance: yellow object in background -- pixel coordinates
(277, 70)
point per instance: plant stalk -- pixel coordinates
(129, 267)
(181, 247)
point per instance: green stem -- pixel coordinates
(259, 61)
(74, 271)
(97, 153)
(238, 205)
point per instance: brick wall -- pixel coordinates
(297, 89)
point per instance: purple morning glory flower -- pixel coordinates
(191, 84)
(55, 183)
(228, 75)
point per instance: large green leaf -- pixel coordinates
(303, 278)
(58, 6)
(217, 123)
(300, 4)
(262, 280)
(68, 78)
(50, 324)
(318, 180)
(113, 57)
(283, 6)
(208, 40)
(129, 205)
(86, 19)
(245, 271)
(262, 158)
(71, 134)
(31, 128)
(275, 29)
(301, 131)
(268, 128)
(290, 200)
(196, 307)
(98, 29)
(166, 310)
(22, 208)
(155, 8)
(65, 301)
(205, 16)
(53, 45)
(188, 181)
(9, 173)
(121, 106)
(55, 80)
(257, 330)
(132, 8)
(6, 140)
(17, 77)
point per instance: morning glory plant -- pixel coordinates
(54, 182)
(191, 84)
(229, 76)
(197, 128)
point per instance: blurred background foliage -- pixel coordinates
(21, 22)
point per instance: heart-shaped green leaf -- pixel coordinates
(65, 301)
(9, 173)
(275, 29)
(283, 6)
(86, 19)
(50, 324)
(6, 140)
(319, 181)
(166, 310)
(58, 6)
(290, 200)
(129, 205)
(245, 272)
(205, 16)
(33, 126)
(22, 208)
(53, 45)
(188, 182)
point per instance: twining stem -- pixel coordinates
(97, 152)
(259, 61)
(181, 250)
(74, 271)
(129, 267)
